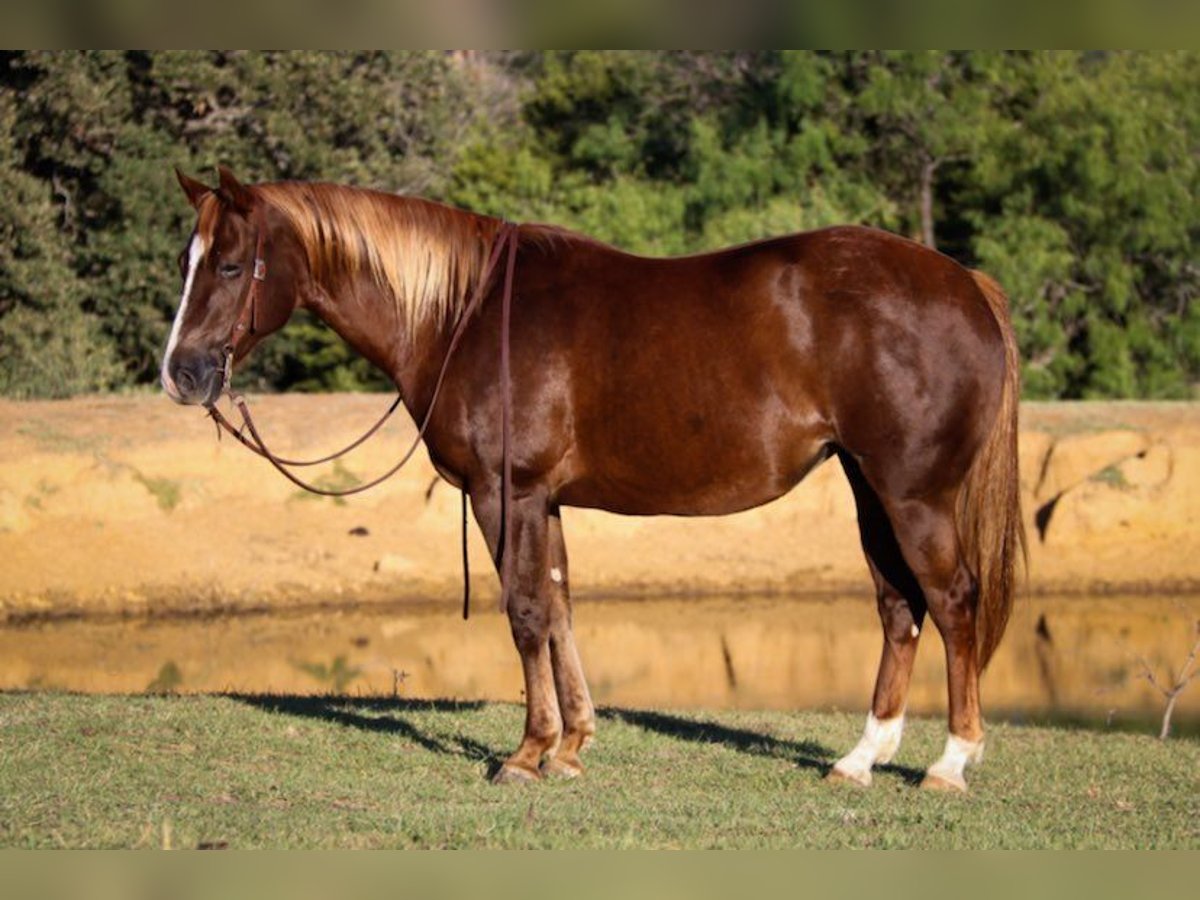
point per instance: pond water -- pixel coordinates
(1064, 658)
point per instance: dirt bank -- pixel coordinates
(130, 504)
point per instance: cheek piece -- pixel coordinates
(247, 320)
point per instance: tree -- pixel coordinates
(101, 131)
(1087, 213)
(1071, 177)
(923, 110)
(51, 343)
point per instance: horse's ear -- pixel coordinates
(236, 193)
(194, 189)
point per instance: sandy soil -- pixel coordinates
(130, 504)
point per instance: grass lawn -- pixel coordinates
(189, 771)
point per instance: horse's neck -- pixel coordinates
(409, 349)
(364, 315)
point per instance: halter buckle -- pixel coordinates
(260, 269)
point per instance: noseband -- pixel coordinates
(245, 325)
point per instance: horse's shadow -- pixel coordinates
(806, 754)
(388, 715)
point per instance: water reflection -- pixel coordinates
(1064, 658)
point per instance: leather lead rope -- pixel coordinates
(299, 463)
(466, 562)
(245, 324)
(506, 497)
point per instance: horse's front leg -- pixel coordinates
(530, 605)
(574, 699)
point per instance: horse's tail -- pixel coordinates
(991, 530)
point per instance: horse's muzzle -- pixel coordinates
(194, 378)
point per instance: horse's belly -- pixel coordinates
(720, 485)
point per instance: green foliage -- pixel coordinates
(51, 343)
(1087, 214)
(95, 135)
(1070, 177)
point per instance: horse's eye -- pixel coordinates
(230, 270)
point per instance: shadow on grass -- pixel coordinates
(387, 715)
(384, 715)
(805, 754)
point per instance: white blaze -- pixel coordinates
(195, 254)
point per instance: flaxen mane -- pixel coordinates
(427, 255)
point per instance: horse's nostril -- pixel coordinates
(186, 380)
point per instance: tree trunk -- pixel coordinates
(927, 171)
(1165, 731)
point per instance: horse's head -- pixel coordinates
(229, 302)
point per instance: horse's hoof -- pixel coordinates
(514, 774)
(844, 776)
(945, 784)
(556, 767)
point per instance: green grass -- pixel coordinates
(116, 771)
(166, 491)
(1112, 476)
(338, 479)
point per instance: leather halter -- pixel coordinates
(247, 321)
(507, 235)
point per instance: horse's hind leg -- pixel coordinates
(902, 611)
(574, 700)
(926, 532)
(529, 616)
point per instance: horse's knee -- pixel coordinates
(529, 619)
(901, 624)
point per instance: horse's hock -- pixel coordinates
(124, 504)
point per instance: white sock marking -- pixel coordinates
(195, 254)
(959, 753)
(879, 743)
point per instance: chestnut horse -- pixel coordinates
(693, 386)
